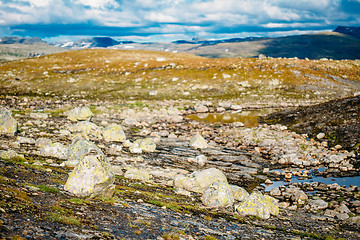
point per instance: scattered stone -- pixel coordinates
(275, 192)
(201, 109)
(91, 177)
(201, 160)
(320, 136)
(113, 133)
(135, 148)
(236, 107)
(41, 142)
(300, 197)
(258, 205)
(25, 140)
(198, 142)
(79, 114)
(8, 124)
(9, 154)
(317, 204)
(218, 194)
(146, 145)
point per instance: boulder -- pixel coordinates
(198, 142)
(79, 114)
(201, 160)
(218, 194)
(8, 124)
(239, 193)
(57, 150)
(78, 149)
(92, 177)
(199, 181)
(113, 133)
(147, 145)
(258, 205)
(134, 173)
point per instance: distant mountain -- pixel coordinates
(351, 31)
(95, 42)
(21, 40)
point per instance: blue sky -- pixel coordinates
(168, 20)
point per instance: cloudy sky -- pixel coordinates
(168, 20)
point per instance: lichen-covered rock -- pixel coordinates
(91, 177)
(239, 193)
(134, 173)
(218, 194)
(113, 133)
(258, 205)
(198, 142)
(8, 124)
(86, 130)
(10, 154)
(147, 145)
(199, 181)
(79, 114)
(57, 150)
(41, 142)
(78, 149)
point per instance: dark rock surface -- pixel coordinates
(338, 119)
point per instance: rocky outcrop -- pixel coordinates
(91, 177)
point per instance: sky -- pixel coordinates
(169, 20)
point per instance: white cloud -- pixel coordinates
(97, 3)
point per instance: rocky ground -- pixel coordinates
(147, 204)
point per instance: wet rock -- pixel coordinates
(8, 124)
(199, 181)
(239, 193)
(91, 177)
(113, 133)
(258, 205)
(57, 150)
(79, 114)
(218, 194)
(146, 145)
(198, 142)
(78, 149)
(135, 173)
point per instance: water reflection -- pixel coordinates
(248, 117)
(347, 181)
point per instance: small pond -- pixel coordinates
(248, 117)
(347, 181)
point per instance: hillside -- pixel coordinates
(116, 74)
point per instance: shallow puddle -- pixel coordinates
(248, 117)
(347, 181)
